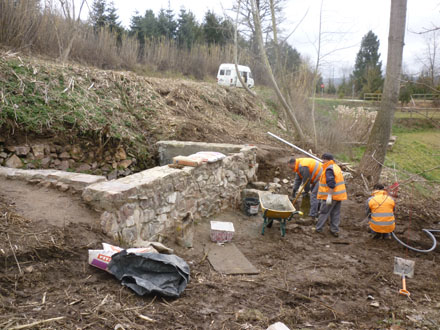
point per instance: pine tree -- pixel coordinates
(214, 30)
(97, 15)
(111, 18)
(166, 25)
(149, 25)
(367, 73)
(188, 30)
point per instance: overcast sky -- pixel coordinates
(344, 23)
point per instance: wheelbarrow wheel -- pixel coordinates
(269, 224)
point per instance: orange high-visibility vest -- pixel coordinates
(315, 168)
(382, 212)
(339, 192)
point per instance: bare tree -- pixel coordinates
(265, 14)
(374, 155)
(69, 12)
(315, 78)
(430, 55)
(240, 78)
(259, 36)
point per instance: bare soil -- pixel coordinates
(306, 280)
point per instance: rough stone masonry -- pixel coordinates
(141, 206)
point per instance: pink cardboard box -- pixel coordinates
(222, 231)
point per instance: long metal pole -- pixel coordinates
(294, 146)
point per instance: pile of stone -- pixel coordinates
(67, 158)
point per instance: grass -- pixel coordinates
(416, 150)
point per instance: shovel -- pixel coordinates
(301, 188)
(404, 268)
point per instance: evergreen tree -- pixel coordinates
(136, 29)
(367, 73)
(111, 19)
(149, 25)
(97, 15)
(331, 88)
(166, 25)
(290, 58)
(188, 30)
(216, 30)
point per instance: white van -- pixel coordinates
(227, 76)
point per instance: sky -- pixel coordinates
(344, 23)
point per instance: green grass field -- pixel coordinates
(417, 149)
(416, 152)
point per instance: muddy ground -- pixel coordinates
(306, 280)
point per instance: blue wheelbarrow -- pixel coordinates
(276, 207)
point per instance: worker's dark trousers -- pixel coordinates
(314, 202)
(332, 211)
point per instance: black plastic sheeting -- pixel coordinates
(151, 273)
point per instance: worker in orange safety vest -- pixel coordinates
(380, 211)
(308, 171)
(331, 192)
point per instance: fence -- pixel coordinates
(426, 97)
(373, 96)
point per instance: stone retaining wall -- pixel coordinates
(84, 158)
(143, 205)
(169, 149)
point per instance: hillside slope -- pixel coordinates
(71, 103)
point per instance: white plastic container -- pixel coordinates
(222, 231)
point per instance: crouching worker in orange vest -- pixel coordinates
(380, 211)
(307, 170)
(331, 192)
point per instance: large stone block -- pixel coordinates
(14, 162)
(22, 150)
(172, 198)
(109, 223)
(38, 151)
(129, 235)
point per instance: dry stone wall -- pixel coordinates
(84, 159)
(142, 206)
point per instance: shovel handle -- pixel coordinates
(300, 191)
(404, 291)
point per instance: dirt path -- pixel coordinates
(46, 205)
(306, 280)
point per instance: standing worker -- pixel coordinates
(307, 168)
(331, 192)
(380, 211)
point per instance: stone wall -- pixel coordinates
(89, 159)
(169, 149)
(143, 205)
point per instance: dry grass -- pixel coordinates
(25, 27)
(43, 97)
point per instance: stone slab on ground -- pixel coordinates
(227, 259)
(76, 181)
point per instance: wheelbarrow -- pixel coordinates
(276, 207)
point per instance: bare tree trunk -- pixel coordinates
(374, 155)
(315, 79)
(240, 78)
(287, 109)
(68, 7)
